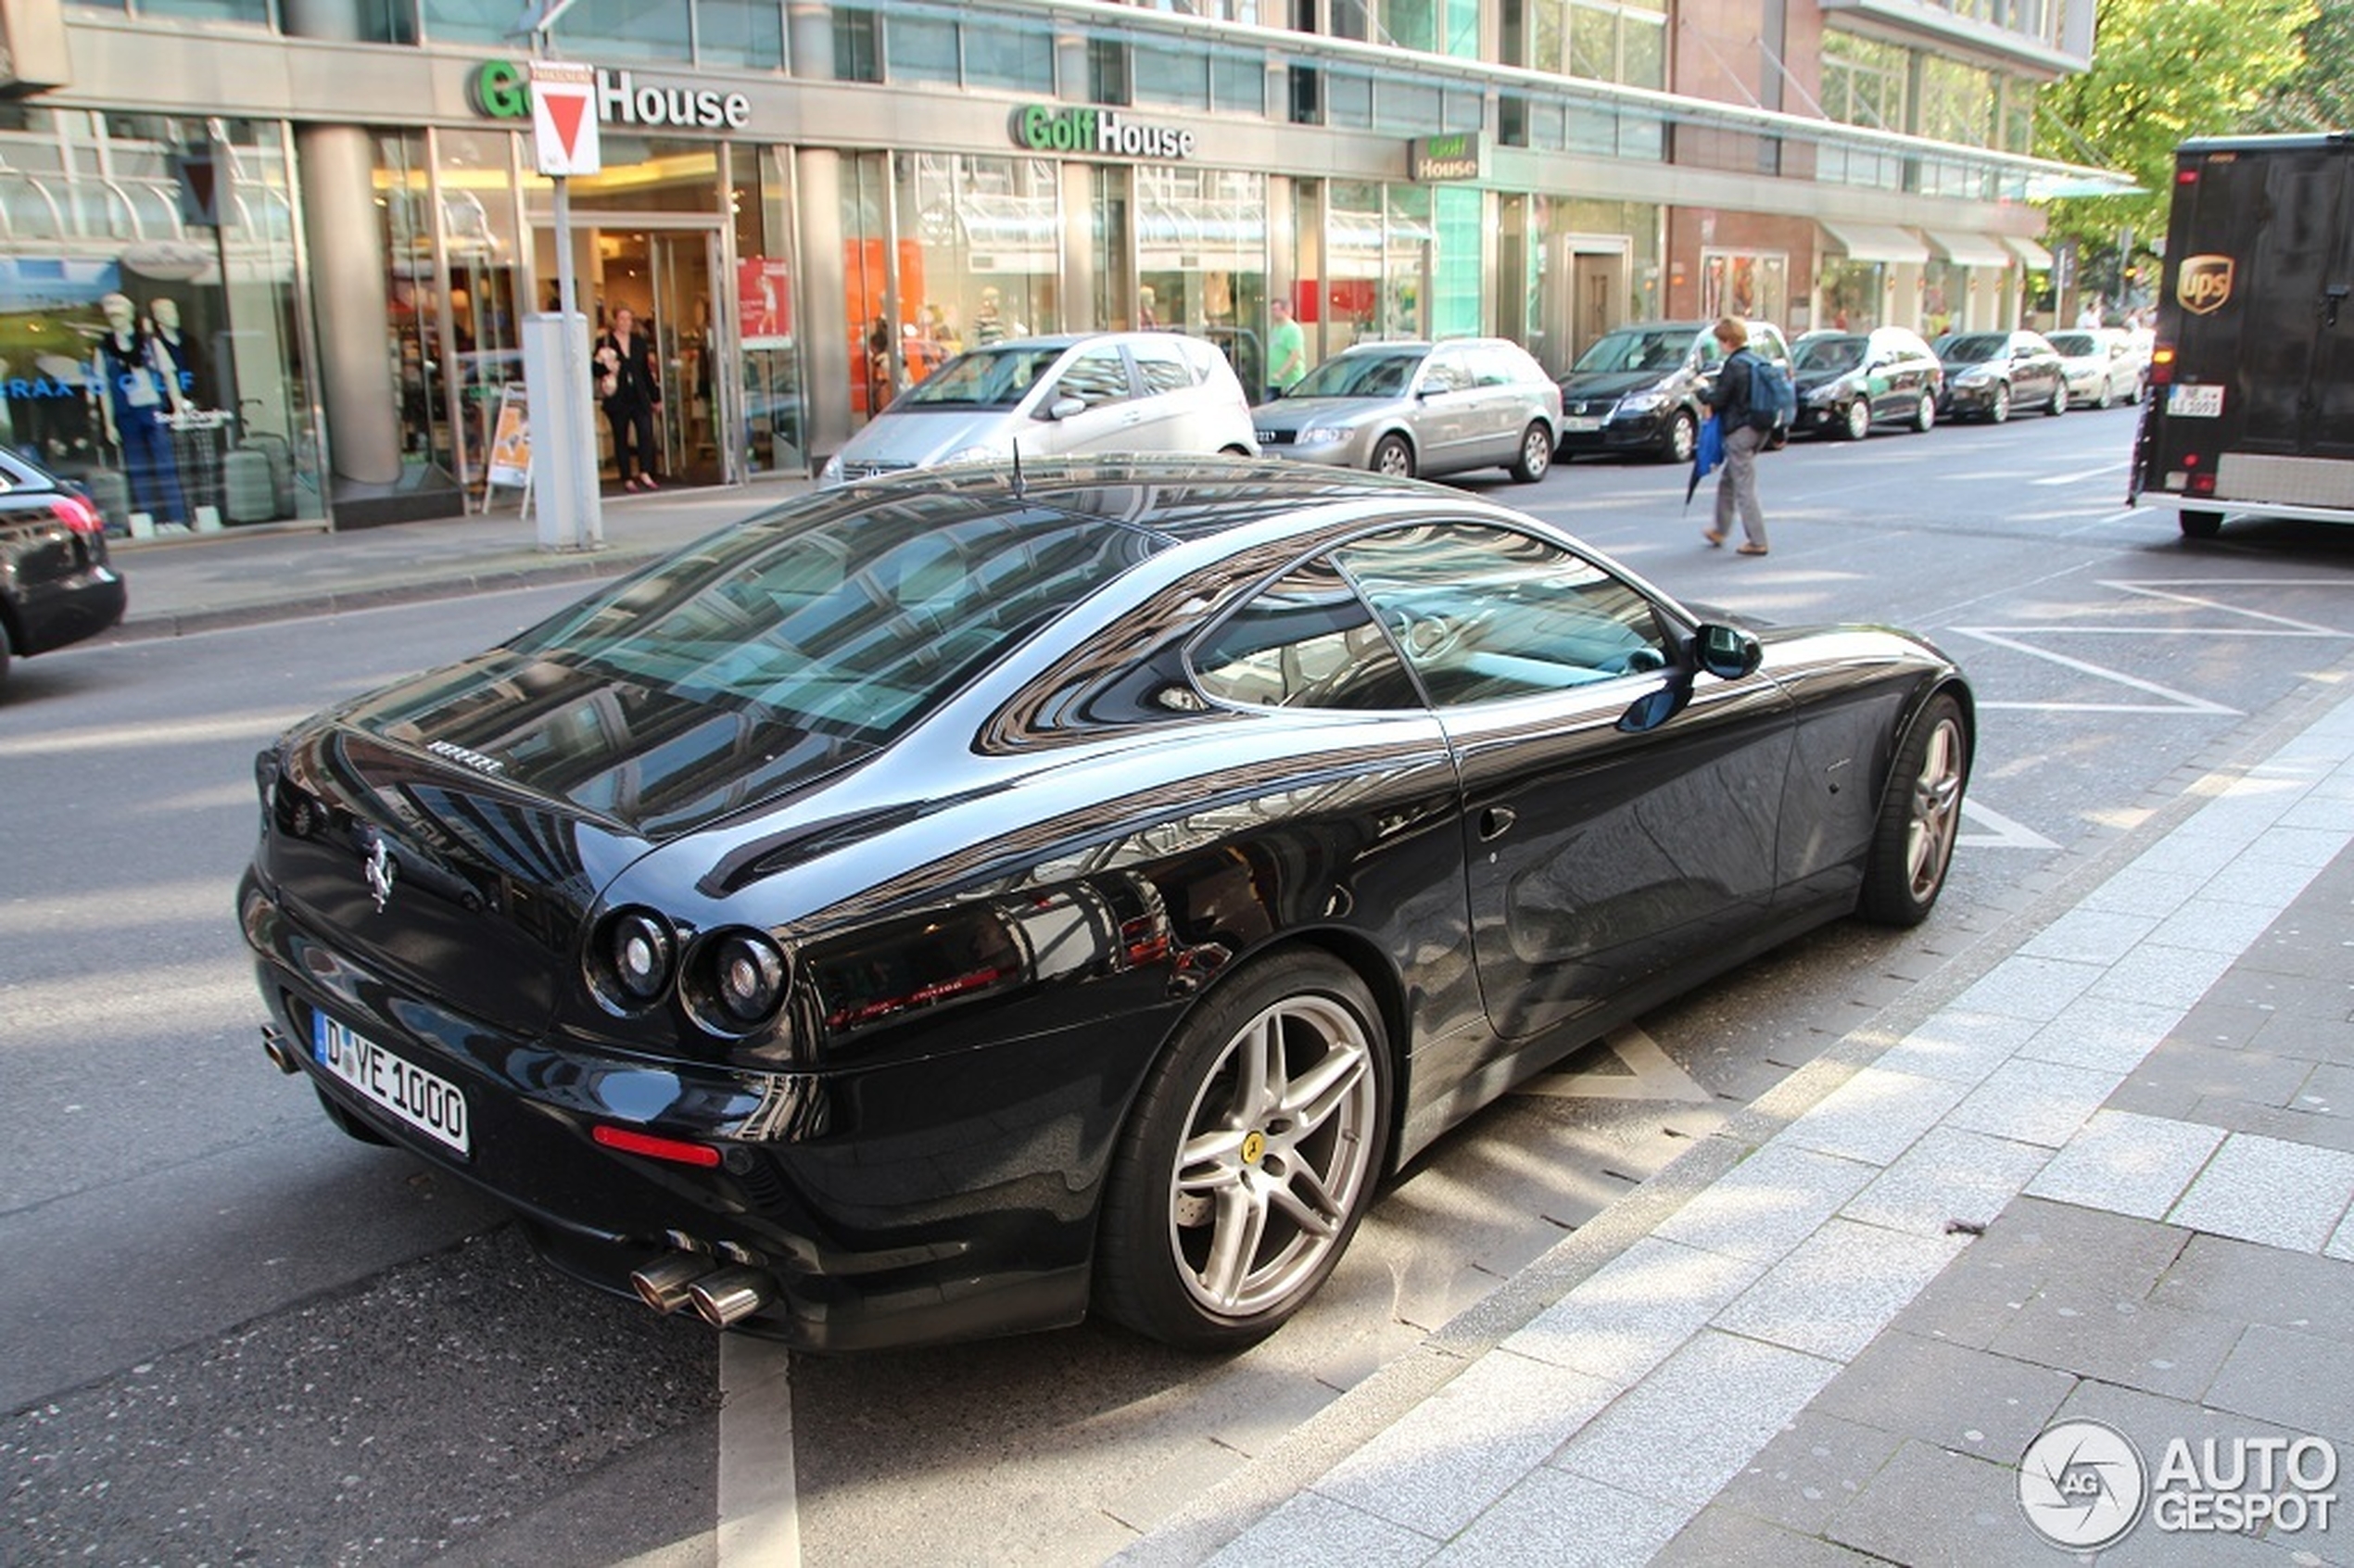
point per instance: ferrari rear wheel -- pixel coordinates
(1920, 817)
(1249, 1158)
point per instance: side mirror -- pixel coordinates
(1064, 406)
(1727, 653)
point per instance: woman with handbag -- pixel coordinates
(631, 390)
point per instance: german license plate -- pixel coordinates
(425, 1101)
(2194, 401)
(1581, 422)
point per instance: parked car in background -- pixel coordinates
(2099, 365)
(1072, 395)
(1406, 408)
(57, 583)
(1989, 373)
(951, 905)
(1637, 388)
(1849, 381)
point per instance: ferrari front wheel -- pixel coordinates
(1249, 1158)
(1920, 817)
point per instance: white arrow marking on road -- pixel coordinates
(759, 1514)
(1655, 1076)
(2002, 832)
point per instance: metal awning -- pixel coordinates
(1875, 242)
(2027, 250)
(1968, 250)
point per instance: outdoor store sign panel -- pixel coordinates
(1462, 155)
(502, 90)
(1047, 128)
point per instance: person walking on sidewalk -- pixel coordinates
(632, 393)
(1734, 399)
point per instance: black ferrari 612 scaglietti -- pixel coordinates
(942, 905)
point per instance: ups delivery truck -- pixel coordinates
(2251, 403)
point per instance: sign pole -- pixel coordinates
(565, 133)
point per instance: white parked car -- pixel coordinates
(2101, 366)
(1075, 395)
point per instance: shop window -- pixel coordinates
(629, 30)
(253, 13)
(1177, 78)
(1411, 108)
(1108, 80)
(1009, 52)
(1237, 81)
(1348, 99)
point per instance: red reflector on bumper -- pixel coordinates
(646, 1143)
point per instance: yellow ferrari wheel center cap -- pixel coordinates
(1253, 1146)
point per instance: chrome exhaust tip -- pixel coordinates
(281, 1050)
(730, 1296)
(662, 1285)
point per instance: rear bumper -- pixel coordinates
(53, 614)
(910, 1202)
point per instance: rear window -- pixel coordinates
(850, 621)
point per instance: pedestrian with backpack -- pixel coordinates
(1746, 420)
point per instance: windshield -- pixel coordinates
(1638, 350)
(1831, 354)
(1370, 373)
(1973, 350)
(2074, 344)
(986, 378)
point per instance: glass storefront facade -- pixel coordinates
(151, 317)
(876, 206)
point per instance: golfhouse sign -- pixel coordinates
(502, 90)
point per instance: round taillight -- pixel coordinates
(735, 980)
(640, 956)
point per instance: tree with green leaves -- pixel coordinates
(2164, 71)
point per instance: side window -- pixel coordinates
(1445, 372)
(1097, 378)
(1305, 641)
(1492, 367)
(1161, 366)
(1486, 612)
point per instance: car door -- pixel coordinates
(1599, 853)
(1097, 378)
(1501, 404)
(1169, 413)
(1445, 413)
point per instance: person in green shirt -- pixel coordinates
(1286, 349)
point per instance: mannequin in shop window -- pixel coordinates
(195, 442)
(138, 387)
(631, 390)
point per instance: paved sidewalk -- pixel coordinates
(196, 582)
(2109, 1181)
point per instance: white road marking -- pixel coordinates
(759, 1513)
(2083, 475)
(1655, 1076)
(2002, 832)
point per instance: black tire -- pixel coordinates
(1536, 457)
(1925, 414)
(1999, 408)
(2201, 525)
(1920, 816)
(350, 1125)
(1219, 1155)
(7, 651)
(1683, 435)
(1857, 422)
(1394, 457)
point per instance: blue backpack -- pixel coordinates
(1773, 401)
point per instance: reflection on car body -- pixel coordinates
(948, 906)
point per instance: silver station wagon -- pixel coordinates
(1408, 409)
(1076, 395)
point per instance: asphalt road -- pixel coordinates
(229, 1333)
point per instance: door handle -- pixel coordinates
(1496, 821)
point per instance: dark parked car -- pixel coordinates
(1989, 373)
(1847, 382)
(56, 584)
(947, 904)
(1638, 388)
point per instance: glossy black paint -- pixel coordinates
(996, 921)
(58, 582)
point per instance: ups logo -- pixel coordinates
(2204, 284)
